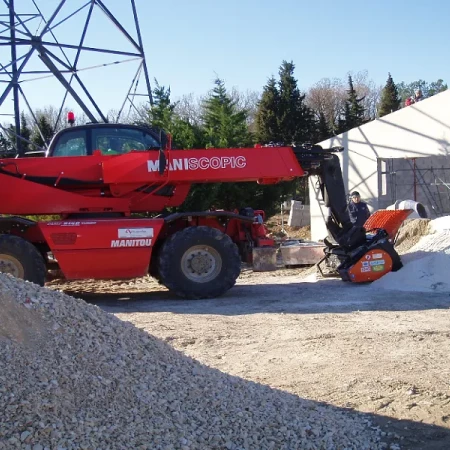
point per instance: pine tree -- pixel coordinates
(224, 124)
(323, 129)
(295, 118)
(283, 117)
(353, 110)
(390, 100)
(267, 115)
(282, 114)
(6, 149)
(356, 115)
(45, 128)
(25, 132)
(161, 114)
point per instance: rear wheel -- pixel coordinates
(21, 259)
(199, 262)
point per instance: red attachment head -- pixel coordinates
(71, 117)
(388, 220)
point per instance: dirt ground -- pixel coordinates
(278, 228)
(384, 353)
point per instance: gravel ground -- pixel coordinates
(378, 355)
(374, 351)
(80, 378)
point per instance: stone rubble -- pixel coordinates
(75, 377)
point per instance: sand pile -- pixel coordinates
(426, 264)
(75, 377)
(410, 233)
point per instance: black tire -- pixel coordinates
(220, 255)
(22, 259)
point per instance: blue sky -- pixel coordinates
(244, 41)
(188, 43)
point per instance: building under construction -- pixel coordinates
(404, 155)
(425, 180)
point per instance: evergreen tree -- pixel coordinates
(282, 114)
(353, 110)
(161, 114)
(390, 100)
(11, 137)
(284, 117)
(323, 129)
(295, 118)
(267, 115)
(6, 149)
(25, 132)
(356, 109)
(224, 124)
(45, 128)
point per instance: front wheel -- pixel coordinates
(199, 262)
(21, 259)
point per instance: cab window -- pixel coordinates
(71, 144)
(117, 141)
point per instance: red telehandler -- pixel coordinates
(95, 176)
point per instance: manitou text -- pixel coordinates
(131, 243)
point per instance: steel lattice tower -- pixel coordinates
(34, 34)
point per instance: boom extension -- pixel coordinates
(134, 182)
(338, 222)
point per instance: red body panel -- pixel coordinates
(106, 264)
(22, 197)
(125, 183)
(102, 249)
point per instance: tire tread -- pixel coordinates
(31, 259)
(191, 235)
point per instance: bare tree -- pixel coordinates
(369, 91)
(247, 100)
(189, 108)
(137, 113)
(327, 97)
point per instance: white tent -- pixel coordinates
(416, 131)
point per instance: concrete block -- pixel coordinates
(299, 215)
(264, 259)
(302, 254)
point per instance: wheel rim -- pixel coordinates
(11, 265)
(201, 263)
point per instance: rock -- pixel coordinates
(83, 379)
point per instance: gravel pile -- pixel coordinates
(410, 233)
(75, 377)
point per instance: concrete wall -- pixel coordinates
(423, 179)
(417, 131)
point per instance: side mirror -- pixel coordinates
(162, 161)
